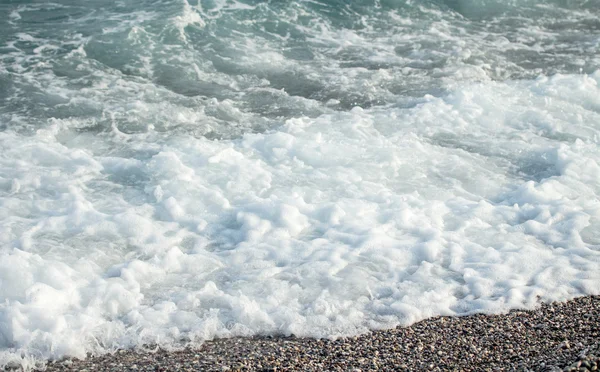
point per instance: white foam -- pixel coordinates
(480, 201)
(189, 17)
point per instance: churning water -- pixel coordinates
(175, 171)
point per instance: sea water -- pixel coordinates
(173, 171)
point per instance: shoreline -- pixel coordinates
(556, 336)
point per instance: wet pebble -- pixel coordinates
(556, 337)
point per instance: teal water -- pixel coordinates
(323, 54)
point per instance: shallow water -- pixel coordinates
(173, 171)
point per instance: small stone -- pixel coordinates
(565, 345)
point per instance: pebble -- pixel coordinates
(557, 337)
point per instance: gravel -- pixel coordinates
(555, 337)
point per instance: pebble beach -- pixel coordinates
(555, 337)
(312, 185)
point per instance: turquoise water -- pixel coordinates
(324, 54)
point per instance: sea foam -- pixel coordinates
(178, 171)
(482, 200)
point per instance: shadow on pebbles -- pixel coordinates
(555, 337)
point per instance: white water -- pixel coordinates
(175, 173)
(323, 227)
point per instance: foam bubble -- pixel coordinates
(329, 226)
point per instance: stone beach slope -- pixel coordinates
(555, 337)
